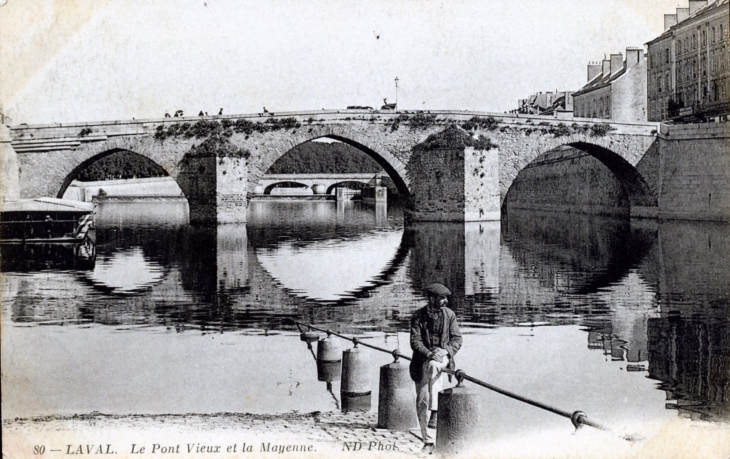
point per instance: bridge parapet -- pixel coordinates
(47, 137)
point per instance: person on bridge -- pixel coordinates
(435, 338)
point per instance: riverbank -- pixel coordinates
(199, 435)
(319, 434)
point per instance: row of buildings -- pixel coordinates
(683, 76)
(688, 67)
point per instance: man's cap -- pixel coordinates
(437, 289)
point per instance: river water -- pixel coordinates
(627, 321)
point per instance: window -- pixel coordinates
(679, 47)
(658, 84)
(714, 37)
(667, 82)
(704, 38)
(666, 56)
(722, 33)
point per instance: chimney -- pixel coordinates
(682, 14)
(616, 63)
(633, 56)
(669, 20)
(606, 69)
(594, 69)
(695, 5)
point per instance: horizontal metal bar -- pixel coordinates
(577, 417)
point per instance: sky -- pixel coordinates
(95, 60)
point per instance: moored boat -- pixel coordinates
(46, 221)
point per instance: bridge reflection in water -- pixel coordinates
(654, 295)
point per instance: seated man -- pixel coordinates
(435, 338)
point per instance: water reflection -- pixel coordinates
(38, 256)
(689, 341)
(330, 270)
(126, 271)
(653, 295)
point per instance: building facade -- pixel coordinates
(616, 88)
(688, 74)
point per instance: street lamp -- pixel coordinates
(396, 93)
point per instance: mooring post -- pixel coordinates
(458, 419)
(329, 358)
(396, 397)
(355, 382)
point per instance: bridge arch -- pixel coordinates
(269, 188)
(356, 183)
(622, 166)
(633, 182)
(358, 138)
(83, 165)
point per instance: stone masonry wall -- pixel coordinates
(481, 185)
(231, 200)
(568, 180)
(9, 186)
(694, 172)
(441, 194)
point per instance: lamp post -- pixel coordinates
(396, 93)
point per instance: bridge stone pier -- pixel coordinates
(449, 165)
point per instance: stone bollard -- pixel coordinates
(396, 398)
(458, 420)
(355, 383)
(329, 367)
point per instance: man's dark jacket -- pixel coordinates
(421, 339)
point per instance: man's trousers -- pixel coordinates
(427, 392)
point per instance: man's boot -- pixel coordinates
(432, 422)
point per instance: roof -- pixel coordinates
(699, 12)
(558, 106)
(600, 81)
(47, 205)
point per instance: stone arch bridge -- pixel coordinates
(327, 181)
(450, 165)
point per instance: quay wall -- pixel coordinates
(694, 172)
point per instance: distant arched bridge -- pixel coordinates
(445, 173)
(327, 181)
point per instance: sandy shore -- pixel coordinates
(322, 434)
(194, 435)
